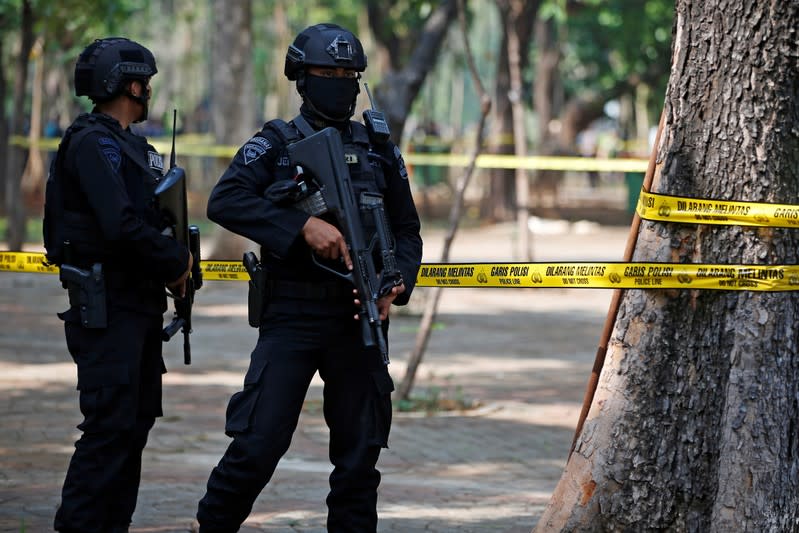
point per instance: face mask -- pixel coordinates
(333, 98)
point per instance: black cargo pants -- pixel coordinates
(119, 379)
(263, 416)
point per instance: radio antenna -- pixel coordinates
(369, 94)
(174, 130)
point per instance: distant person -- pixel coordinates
(307, 322)
(101, 227)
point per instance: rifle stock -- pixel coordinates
(322, 154)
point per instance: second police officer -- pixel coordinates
(307, 323)
(103, 228)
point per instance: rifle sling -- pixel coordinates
(303, 126)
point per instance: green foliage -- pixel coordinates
(68, 25)
(402, 22)
(612, 41)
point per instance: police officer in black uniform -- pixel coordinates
(307, 323)
(102, 227)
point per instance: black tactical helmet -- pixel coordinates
(105, 65)
(324, 45)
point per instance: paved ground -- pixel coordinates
(525, 354)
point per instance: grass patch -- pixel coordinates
(437, 399)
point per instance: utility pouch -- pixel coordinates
(86, 290)
(256, 290)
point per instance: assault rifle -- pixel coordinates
(322, 154)
(171, 193)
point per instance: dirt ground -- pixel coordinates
(524, 354)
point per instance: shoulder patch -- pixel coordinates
(110, 150)
(400, 163)
(255, 148)
(156, 160)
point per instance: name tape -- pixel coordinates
(530, 275)
(664, 208)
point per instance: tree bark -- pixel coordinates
(547, 103)
(233, 119)
(4, 148)
(518, 20)
(522, 186)
(546, 85)
(693, 427)
(15, 208)
(32, 182)
(499, 200)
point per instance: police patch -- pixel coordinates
(110, 150)
(400, 163)
(255, 148)
(156, 160)
(114, 158)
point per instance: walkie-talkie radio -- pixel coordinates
(375, 121)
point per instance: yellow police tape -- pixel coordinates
(531, 275)
(611, 276)
(531, 162)
(664, 208)
(198, 145)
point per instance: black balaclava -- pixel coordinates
(331, 99)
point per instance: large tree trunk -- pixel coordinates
(693, 426)
(233, 119)
(15, 208)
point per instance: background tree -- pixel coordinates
(15, 209)
(232, 118)
(55, 24)
(693, 424)
(409, 42)
(575, 57)
(517, 20)
(434, 297)
(589, 46)
(5, 26)
(610, 49)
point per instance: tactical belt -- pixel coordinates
(303, 290)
